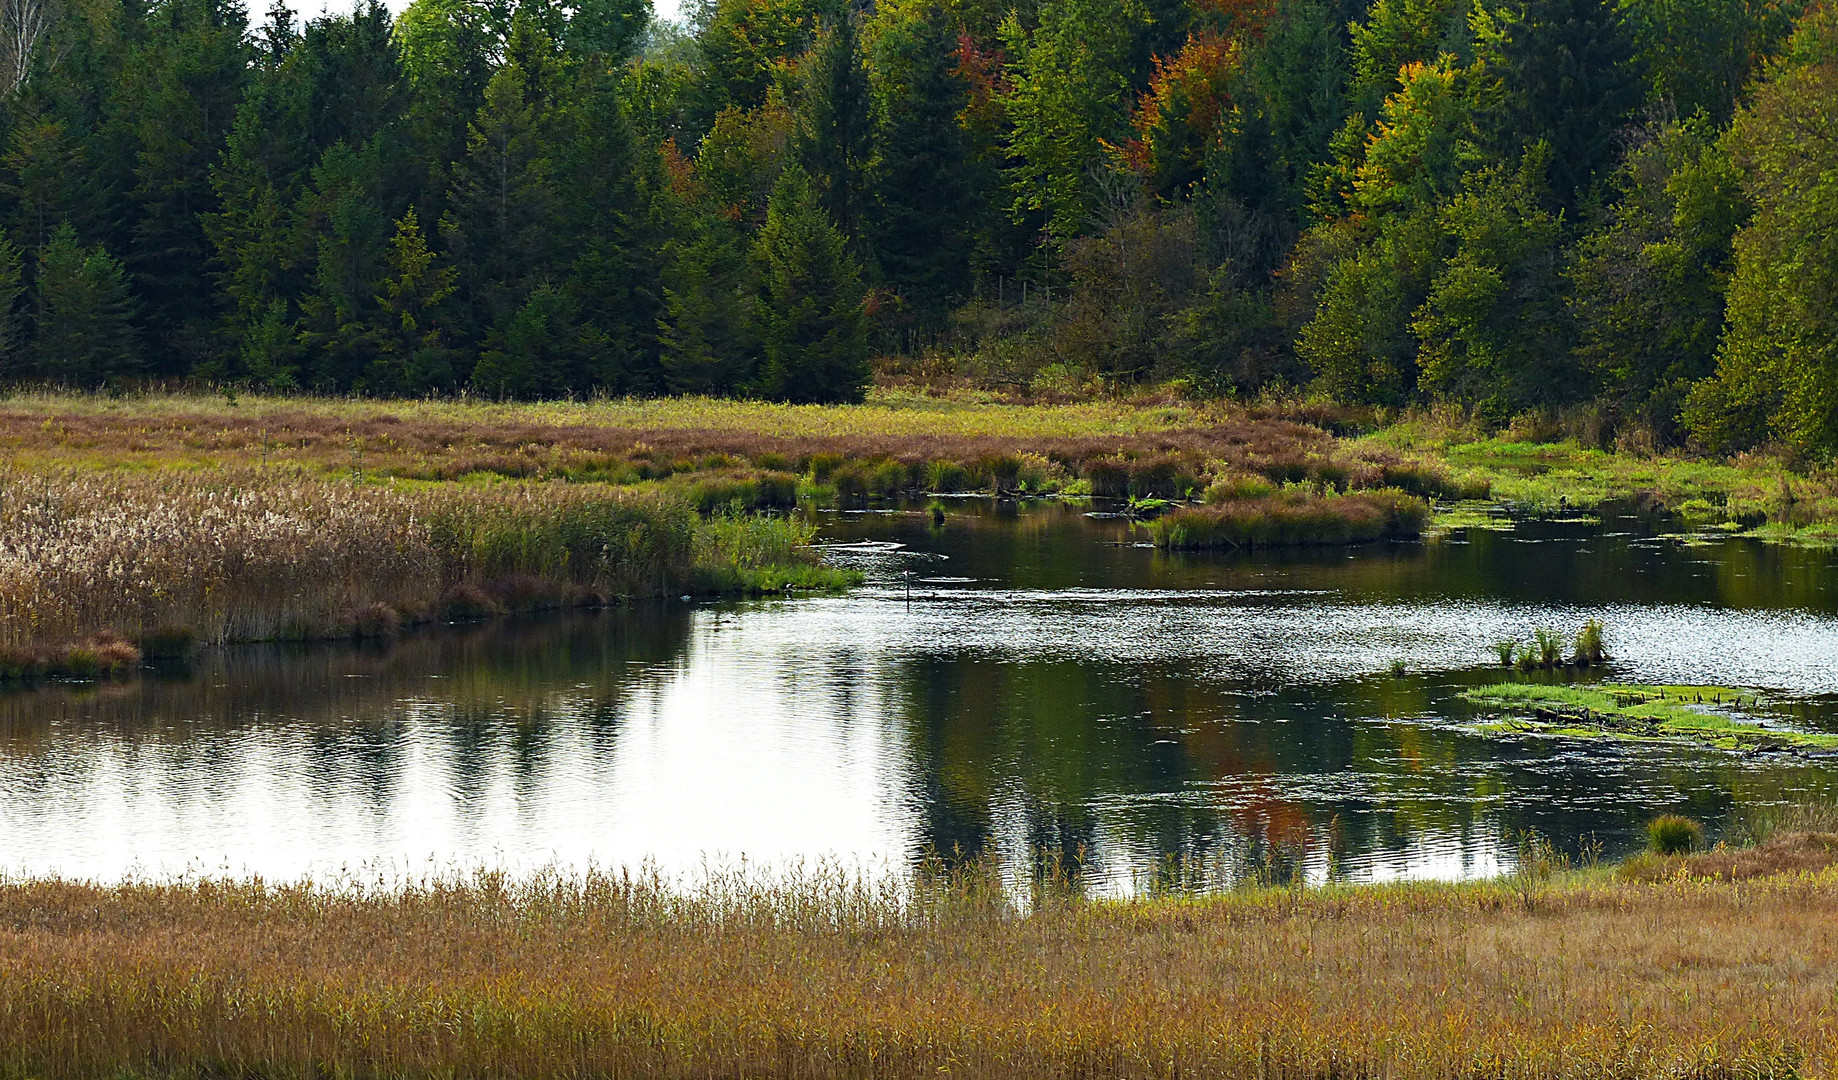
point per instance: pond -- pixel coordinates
(1022, 680)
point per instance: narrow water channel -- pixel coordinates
(1023, 679)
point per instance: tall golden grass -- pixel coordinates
(249, 554)
(828, 975)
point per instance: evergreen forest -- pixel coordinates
(1625, 208)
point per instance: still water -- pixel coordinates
(1020, 680)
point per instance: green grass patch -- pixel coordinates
(1723, 716)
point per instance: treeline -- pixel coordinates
(1510, 205)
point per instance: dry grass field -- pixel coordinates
(827, 976)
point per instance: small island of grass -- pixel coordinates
(1722, 716)
(1726, 717)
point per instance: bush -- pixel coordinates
(1672, 834)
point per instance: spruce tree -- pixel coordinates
(414, 355)
(15, 362)
(85, 315)
(1567, 76)
(811, 312)
(174, 105)
(923, 204)
(832, 137)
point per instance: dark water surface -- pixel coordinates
(1017, 681)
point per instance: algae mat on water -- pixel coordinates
(1729, 717)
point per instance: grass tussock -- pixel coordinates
(1293, 518)
(97, 566)
(827, 975)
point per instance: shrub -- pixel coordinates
(1672, 834)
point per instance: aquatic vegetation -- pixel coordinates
(1674, 834)
(1702, 714)
(1547, 649)
(1293, 518)
(1548, 646)
(167, 558)
(820, 973)
(1591, 648)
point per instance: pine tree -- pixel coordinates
(832, 138)
(812, 315)
(85, 330)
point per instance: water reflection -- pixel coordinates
(1012, 684)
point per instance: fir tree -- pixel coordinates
(85, 316)
(832, 139)
(812, 317)
(924, 205)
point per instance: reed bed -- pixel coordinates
(1293, 518)
(828, 975)
(159, 559)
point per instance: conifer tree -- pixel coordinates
(1567, 76)
(85, 330)
(414, 355)
(924, 205)
(812, 316)
(832, 138)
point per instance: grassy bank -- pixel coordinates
(99, 566)
(1543, 472)
(614, 975)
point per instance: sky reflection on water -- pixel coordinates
(1050, 688)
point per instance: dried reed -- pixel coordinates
(249, 554)
(829, 975)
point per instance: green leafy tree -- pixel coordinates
(85, 314)
(1649, 282)
(609, 29)
(1777, 368)
(1070, 88)
(811, 314)
(1494, 325)
(1699, 54)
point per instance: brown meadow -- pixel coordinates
(827, 975)
(887, 447)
